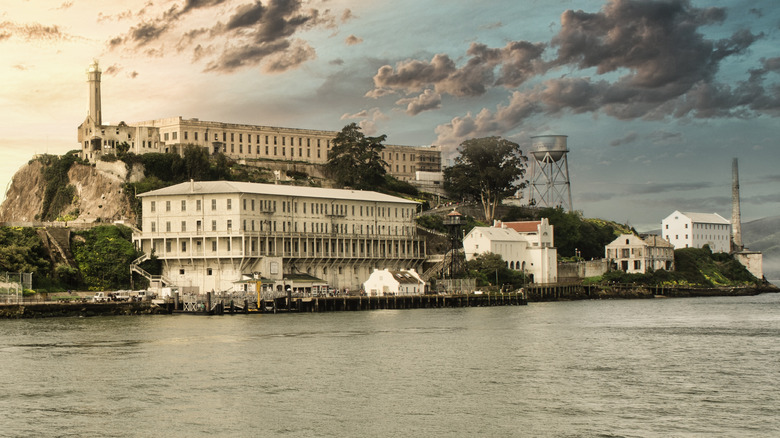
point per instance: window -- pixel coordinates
(213, 204)
(213, 225)
(183, 246)
(229, 224)
(154, 226)
(183, 205)
(167, 205)
(152, 206)
(168, 226)
(197, 204)
(229, 204)
(244, 203)
(175, 135)
(183, 226)
(208, 270)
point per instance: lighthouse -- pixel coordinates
(93, 78)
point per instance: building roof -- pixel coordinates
(222, 187)
(702, 218)
(521, 226)
(503, 234)
(707, 218)
(404, 277)
(656, 241)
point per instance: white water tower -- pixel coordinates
(550, 186)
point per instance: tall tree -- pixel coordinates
(489, 170)
(355, 160)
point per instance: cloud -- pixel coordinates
(252, 34)
(595, 197)
(518, 61)
(428, 100)
(630, 138)
(641, 59)
(32, 32)
(367, 119)
(353, 40)
(655, 188)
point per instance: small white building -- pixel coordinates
(529, 250)
(694, 230)
(394, 282)
(635, 255)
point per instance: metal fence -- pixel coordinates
(12, 286)
(456, 285)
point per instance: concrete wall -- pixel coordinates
(576, 271)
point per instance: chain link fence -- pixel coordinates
(13, 285)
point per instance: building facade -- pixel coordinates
(530, 250)
(237, 141)
(383, 282)
(637, 255)
(212, 234)
(694, 230)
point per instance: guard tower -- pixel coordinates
(550, 186)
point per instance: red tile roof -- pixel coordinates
(521, 227)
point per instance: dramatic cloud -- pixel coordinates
(426, 101)
(650, 60)
(518, 61)
(253, 34)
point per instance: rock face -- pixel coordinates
(99, 196)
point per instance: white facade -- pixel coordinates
(694, 230)
(394, 282)
(531, 252)
(211, 234)
(635, 255)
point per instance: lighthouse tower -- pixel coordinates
(93, 78)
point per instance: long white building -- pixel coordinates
(237, 141)
(694, 230)
(209, 235)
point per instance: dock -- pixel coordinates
(292, 304)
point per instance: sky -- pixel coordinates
(656, 97)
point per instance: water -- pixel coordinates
(643, 368)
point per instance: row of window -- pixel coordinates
(706, 226)
(269, 139)
(316, 208)
(702, 237)
(288, 226)
(296, 247)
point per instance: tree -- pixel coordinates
(488, 169)
(355, 160)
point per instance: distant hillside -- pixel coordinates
(764, 235)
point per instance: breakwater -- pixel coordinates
(49, 310)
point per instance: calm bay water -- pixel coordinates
(641, 368)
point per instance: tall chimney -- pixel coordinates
(736, 215)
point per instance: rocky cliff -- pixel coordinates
(98, 195)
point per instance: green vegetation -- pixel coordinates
(574, 233)
(487, 170)
(490, 270)
(695, 267)
(21, 250)
(103, 255)
(355, 160)
(57, 194)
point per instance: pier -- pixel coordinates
(291, 304)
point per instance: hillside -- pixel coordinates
(87, 194)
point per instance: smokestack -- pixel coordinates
(736, 215)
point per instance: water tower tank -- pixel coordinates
(554, 145)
